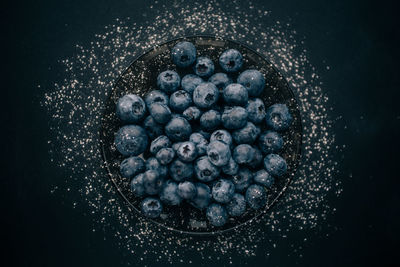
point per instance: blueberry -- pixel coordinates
(231, 60)
(169, 193)
(234, 117)
(247, 135)
(278, 117)
(160, 112)
(152, 182)
(178, 129)
(131, 140)
(216, 215)
(204, 67)
(160, 142)
(255, 110)
(187, 190)
(243, 154)
(204, 170)
(168, 81)
(206, 134)
(153, 164)
(218, 153)
(165, 155)
(179, 170)
(223, 191)
(131, 108)
(262, 177)
(132, 166)
(137, 186)
(242, 179)
(203, 196)
(175, 146)
(156, 96)
(257, 159)
(192, 113)
(187, 151)
(256, 196)
(221, 80)
(205, 95)
(190, 82)
(235, 94)
(201, 143)
(237, 205)
(183, 54)
(222, 136)
(152, 128)
(180, 100)
(275, 165)
(210, 120)
(253, 80)
(270, 142)
(151, 207)
(231, 168)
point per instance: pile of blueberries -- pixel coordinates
(204, 134)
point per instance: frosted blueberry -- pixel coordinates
(151, 207)
(235, 94)
(131, 140)
(237, 205)
(192, 113)
(204, 170)
(222, 136)
(234, 117)
(246, 135)
(218, 153)
(168, 81)
(257, 159)
(152, 182)
(216, 215)
(160, 112)
(278, 117)
(137, 186)
(204, 67)
(243, 154)
(183, 54)
(231, 60)
(270, 142)
(223, 191)
(131, 108)
(255, 110)
(256, 196)
(156, 96)
(190, 82)
(178, 129)
(131, 166)
(221, 80)
(165, 155)
(205, 95)
(169, 193)
(153, 164)
(179, 170)
(275, 165)
(210, 120)
(242, 179)
(187, 151)
(253, 80)
(160, 142)
(187, 190)
(262, 177)
(180, 100)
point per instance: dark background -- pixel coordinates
(358, 39)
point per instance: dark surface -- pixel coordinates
(357, 39)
